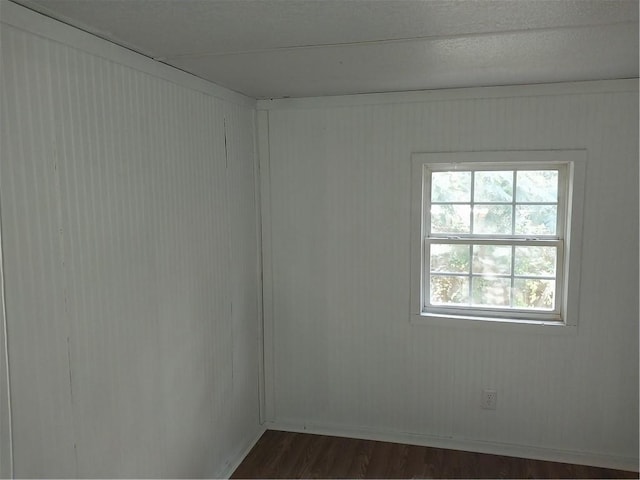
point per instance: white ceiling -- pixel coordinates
(298, 48)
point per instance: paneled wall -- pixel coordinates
(130, 260)
(342, 355)
(6, 460)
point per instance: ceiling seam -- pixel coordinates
(390, 40)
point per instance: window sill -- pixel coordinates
(498, 324)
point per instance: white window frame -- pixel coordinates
(567, 239)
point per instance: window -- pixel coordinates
(494, 234)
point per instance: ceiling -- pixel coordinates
(301, 48)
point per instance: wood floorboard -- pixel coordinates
(399, 454)
(380, 460)
(300, 455)
(323, 454)
(344, 459)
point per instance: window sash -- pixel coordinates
(563, 187)
(506, 311)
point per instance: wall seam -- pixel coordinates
(6, 348)
(63, 255)
(257, 174)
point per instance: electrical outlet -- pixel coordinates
(489, 399)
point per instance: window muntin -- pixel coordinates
(493, 239)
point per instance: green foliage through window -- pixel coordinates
(506, 205)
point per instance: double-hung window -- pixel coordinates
(494, 234)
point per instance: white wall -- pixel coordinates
(6, 456)
(342, 356)
(129, 246)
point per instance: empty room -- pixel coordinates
(319, 239)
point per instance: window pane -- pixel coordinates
(450, 218)
(491, 292)
(536, 219)
(537, 261)
(492, 259)
(537, 186)
(447, 290)
(450, 186)
(493, 187)
(534, 293)
(492, 219)
(449, 258)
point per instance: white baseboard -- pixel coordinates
(230, 466)
(470, 445)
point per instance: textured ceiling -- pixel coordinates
(280, 48)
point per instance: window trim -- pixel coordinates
(568, 268)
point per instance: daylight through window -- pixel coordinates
(494, 239)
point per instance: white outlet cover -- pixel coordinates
(489, 399)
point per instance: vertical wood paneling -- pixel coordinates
(33, 272)
(6, 454)
(345, 352)
(129, 238)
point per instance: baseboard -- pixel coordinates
(470, 445)
(235, 461)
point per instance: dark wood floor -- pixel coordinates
(297, 455)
